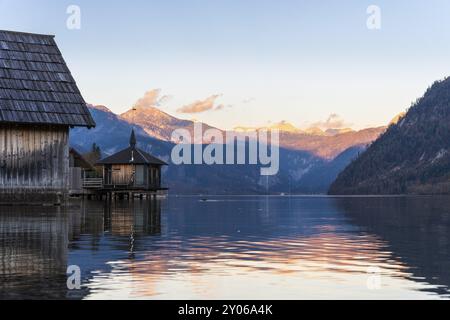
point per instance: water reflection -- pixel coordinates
(417, 230)
(229, 247)
(37, 244)
(33, 252)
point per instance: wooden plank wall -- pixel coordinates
(33, 159)
(122, 174)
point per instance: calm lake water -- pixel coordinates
(230, 248)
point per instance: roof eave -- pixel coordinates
(29, 33)
(125, 163)
(89, 126)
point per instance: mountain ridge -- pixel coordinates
(160, 125)
(302, 169)
(411, 157)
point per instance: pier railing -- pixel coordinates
(93, 183)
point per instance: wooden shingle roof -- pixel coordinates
(132, 155)
(36, 86)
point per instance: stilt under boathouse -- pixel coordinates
(131, 172)
(39, 103)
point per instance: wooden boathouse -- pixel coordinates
(130, 171)
(39, 103)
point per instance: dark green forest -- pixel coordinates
(411, 157)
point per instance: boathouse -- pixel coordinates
(132, 170)
(80, 170)
(39, 103)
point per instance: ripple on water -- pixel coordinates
(228, 248)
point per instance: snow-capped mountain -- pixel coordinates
(308, 162)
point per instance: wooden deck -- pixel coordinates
(96, 187)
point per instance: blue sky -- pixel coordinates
(298, 61)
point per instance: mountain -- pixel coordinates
(326, 145)
(333, 132)
(157, 123)
(329, 147)
(315, 131)
(302, 168)
(112, 133)
(282, 126)
(397, 118)
(322, 176)
(411, 157)
(286, 127)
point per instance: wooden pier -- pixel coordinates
(94, 188)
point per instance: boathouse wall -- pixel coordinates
(147, 176)
(34, 163)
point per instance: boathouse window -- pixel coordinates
(140, 175)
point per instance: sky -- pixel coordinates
(249, 63)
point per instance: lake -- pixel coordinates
(246, 247)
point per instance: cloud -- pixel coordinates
(202, 105)
(334, 121)
(151, 99)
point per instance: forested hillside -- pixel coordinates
(411, 157)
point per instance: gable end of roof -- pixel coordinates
(36, 86)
